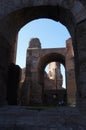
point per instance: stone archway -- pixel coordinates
(37, 59)
(72, 14)
(50, 56)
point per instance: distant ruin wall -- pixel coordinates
(34, 86)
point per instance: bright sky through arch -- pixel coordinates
(52, 34)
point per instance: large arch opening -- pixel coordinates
(51, 67)
(55, 85)
(52, 34)
(51, 94)
(72, 14)
(43, 29)
(29, 14)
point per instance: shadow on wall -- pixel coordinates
(55, 97)
(14, 73)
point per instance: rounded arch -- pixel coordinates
(17, 19)
(56, 13)
(46, 60)
(67, 12)
(14, 21)
(70, 5)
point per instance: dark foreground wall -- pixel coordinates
(13, 83)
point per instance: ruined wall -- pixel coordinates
(55, 74)
(31, 83)
(15, 14)
(70, 72)
(36, 85)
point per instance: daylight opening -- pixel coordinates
(52, 34)
(54, 84)
(51, 68)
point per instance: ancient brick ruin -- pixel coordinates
(14, 14)
(72, 14)
(37, 81)
(55, 74)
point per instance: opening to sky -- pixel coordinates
(51, 34)
(62, 72)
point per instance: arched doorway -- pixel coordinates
(26, 17)
(37, 59)
(47, 30)
(51, 57)
(64, 11)
(55, 84)
(51, 90)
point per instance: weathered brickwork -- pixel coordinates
(55, 74)
(37, 81)
(72, 13)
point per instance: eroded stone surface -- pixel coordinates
(71, 13)
(21, 118)
(37, 82)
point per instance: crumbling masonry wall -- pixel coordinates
(15, 14)
(34, 85)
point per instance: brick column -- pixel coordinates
(32, 91)
(81, 64)
(70, 73)
(35, 88)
